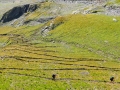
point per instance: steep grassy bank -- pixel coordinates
(97, 33)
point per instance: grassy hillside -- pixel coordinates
(97, 33)
(77, 50)
(82, 49)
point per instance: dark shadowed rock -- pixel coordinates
(18, 11)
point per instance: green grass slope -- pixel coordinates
(28, 67)
(81, 50)
(97, 33)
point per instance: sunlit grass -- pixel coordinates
(97, 32)
(26, 74)
(4, 29)
(70, 51)
(42, 11)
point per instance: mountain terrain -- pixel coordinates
(77, 40)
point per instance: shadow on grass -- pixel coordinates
(64, 69)
(58, 57)
(61, 62)
(60, 79)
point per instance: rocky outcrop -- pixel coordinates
(18, 11)
(113, 10)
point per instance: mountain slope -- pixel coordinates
(96, 33)
(76, 41)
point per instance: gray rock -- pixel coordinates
(42, 20)
(18, 11)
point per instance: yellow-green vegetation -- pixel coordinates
(31, 67)
(118, 1)
(97, 33)
(80, 51)
(32, 16)
(43, 10)
(56, 22)
(59, 20)
(25, 30)
(112, 2)
(21, 34)
(4, 29)
(4, 39)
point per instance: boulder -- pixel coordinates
(18, 11)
